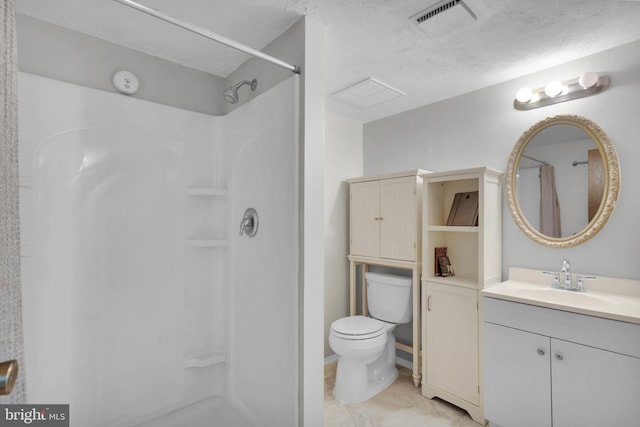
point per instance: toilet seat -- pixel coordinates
(357, 328)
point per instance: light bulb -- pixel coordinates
(588, 79)
(553, 88)
(524, 94)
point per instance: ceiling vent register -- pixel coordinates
(445, 17)
(441, 7)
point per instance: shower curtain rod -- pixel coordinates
(535, 160)
(210, 35)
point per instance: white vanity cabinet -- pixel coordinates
(547, 367)
(451, 337)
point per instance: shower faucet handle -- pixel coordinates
(249, 223)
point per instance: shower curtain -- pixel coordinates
(11, 341)
(549, 204)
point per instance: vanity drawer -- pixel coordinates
(612, 335)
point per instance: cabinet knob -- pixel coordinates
(429, 303)
(377, 218)
(559, 357)
(541, 352)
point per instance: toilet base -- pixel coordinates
(358, 380)
(362, 382)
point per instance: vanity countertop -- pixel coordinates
(610, 298)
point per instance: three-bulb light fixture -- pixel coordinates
(555, 91)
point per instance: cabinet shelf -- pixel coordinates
(202, 360)
(453, 228)
(206, 191)
(464, 282)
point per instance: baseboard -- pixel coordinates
(399, 361)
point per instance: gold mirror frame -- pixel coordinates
(611, 186)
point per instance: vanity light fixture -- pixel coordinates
(555, 91)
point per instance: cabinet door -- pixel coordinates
(365, 218)
(399, 213)
(594, 387)
(517, 380)
(452, 340)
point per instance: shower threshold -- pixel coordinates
(212, 412)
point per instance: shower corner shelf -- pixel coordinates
(202, 360)
(206, 191)
(205, 243)
(25, 181)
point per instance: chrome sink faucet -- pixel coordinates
(566, 270)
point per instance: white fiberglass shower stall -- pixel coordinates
(140, 296)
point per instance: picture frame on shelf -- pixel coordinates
(464, 209)
(446, 269)
(439, 253)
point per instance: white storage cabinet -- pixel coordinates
(385, 230)
(451, 337)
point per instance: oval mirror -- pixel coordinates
(562, 181)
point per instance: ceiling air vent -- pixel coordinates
(444, 17)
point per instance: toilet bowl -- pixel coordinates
(366, 357)
(366, 346)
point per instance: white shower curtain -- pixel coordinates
(11, 342)
(549, 204)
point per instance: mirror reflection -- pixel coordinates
(560, 180)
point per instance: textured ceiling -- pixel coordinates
(368, 38)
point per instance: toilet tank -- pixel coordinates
(389, 297)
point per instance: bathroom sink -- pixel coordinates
(610, 298)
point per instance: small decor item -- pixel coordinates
(439, 253)
(464, 210)
(446, 269)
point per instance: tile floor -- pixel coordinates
(401, 404)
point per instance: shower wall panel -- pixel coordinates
(110, 311)
(262, 149)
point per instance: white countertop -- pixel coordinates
(610, 298)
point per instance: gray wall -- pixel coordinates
(288, 47)
(343, 159)
(480, 128)
(51, 51)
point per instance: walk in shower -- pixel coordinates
(143, 305)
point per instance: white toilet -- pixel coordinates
(366, 346)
